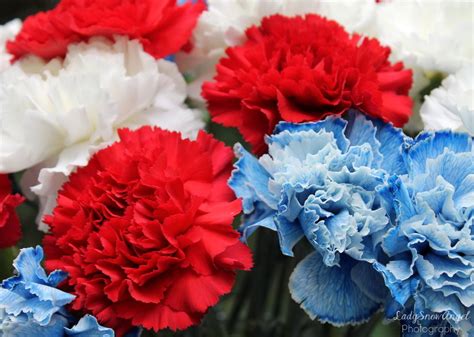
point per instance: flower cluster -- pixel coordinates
(77, 104)
(31, 305)
(303, 69)
(103, 103)
(390, 218)
(146, 236)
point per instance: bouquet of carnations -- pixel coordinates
(153, 150)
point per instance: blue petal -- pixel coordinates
(262, 216)
(369, 281)
(249, 181)
(395, 194)
(330, 293)
(21, 326)
(431, 145)
(89, 327)
(330, 124)
(401, 290)
(289, 234)
(393, 141)
(360, 130)
(32, 293)
(28, 266)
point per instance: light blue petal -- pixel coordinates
(360, 130)
(32, 293)
(432, 144)
(261, 217)
(89, 327)
(392, 145)
(331, 124)
(249, 181)
(289, 234)
(330, 293)
(21, 326)
(401, 291)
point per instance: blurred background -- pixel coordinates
(260, 305)
(10, 9)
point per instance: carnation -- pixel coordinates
(10, 228)
(428, 35)
(319, 181)
(7, 31)
(31, 305)
(146, 234)
(223, 24)
(303, 69)
(161, 26)
(56, 114)
(429, 250)
(452, 105)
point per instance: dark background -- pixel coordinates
(11, 9)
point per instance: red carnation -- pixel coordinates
(145, 231)
(162, 26)
(302, 69)
(10, 229)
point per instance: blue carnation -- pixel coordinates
(320, 181)
(31, 305)
(429, 262)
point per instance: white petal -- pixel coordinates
(451, 106)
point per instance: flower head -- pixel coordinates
(223, 24)
(10, 228)
(146, 234)
(430, 249)
(161, 26)
(319, 181)
(303, 69)
(55, 115)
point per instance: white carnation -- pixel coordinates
(452, 105)
(224, 23)
(54, 116)
(7, 32)
(431, 35)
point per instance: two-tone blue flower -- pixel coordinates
(429, 251)
(320, 181)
